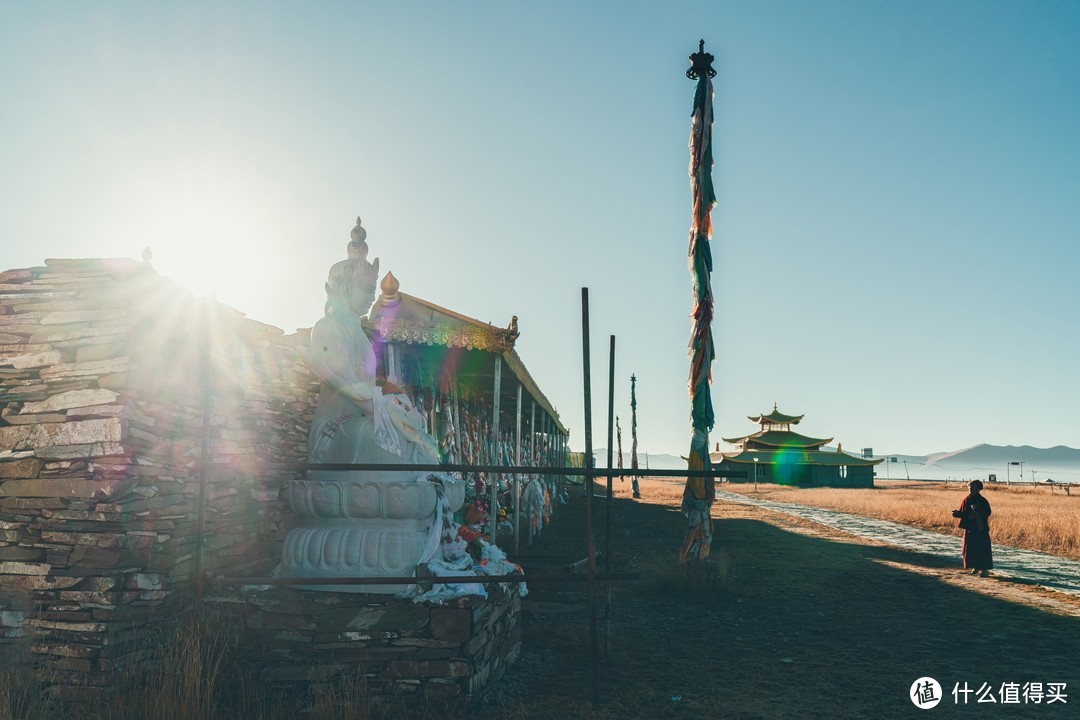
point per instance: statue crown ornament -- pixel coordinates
(355, 271)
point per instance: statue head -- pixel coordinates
(351, 282)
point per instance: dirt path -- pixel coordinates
(1032, 578)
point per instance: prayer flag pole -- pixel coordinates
(618, 436)
(633, 435)
(698, 493)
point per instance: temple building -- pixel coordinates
(778, 454)
(454, 367)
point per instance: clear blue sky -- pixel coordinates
(898, 229)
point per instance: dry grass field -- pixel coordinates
(1033, 518)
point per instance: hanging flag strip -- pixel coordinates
(698, 493)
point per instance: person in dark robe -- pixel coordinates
(974, 515)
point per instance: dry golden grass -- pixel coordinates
(1028, 517)
(196, 679)
(20, 691)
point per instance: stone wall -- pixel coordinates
(303, 640)
(105, 373)
(127, 409)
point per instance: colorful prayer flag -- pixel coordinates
(698, 493)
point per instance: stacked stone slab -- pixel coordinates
(128, 409)
(125, 403)
(303, 640)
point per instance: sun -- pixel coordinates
(207, 221)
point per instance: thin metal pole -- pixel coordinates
(564, 443)
(454, 392)
(532, 455)
(590, 541)
(607, 502)
(555, 453)
(517, 476)
(493, 521)
(532, 429)
(553, 443)
(635, 486)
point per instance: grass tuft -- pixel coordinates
(662, 575)
(189, 679)
(22, 695)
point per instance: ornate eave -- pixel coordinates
(409, 330)
(399, 317)
(779, 439)
(776, 418)
(786, 438)
(799, 456)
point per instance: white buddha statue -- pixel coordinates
(357, 421)
(363, 523)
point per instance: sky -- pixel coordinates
(897, 233)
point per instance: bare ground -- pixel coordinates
(808, 622)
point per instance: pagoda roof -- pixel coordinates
(795, 455)
(779, 439)
(776, 417)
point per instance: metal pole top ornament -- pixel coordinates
(701, 63)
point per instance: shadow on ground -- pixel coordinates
(802, 627)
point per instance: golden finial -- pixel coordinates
(389, 286)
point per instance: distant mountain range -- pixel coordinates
(1059, 463)
(1056, 463)
(655, 461)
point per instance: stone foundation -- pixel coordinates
(300, 641)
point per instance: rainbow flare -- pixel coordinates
(698, 494)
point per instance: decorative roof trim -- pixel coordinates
(425, 332)
(776, 418)
(801, 441)
(791, 439)
(805, 457)
(451, 330)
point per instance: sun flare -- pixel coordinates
(205, 221)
